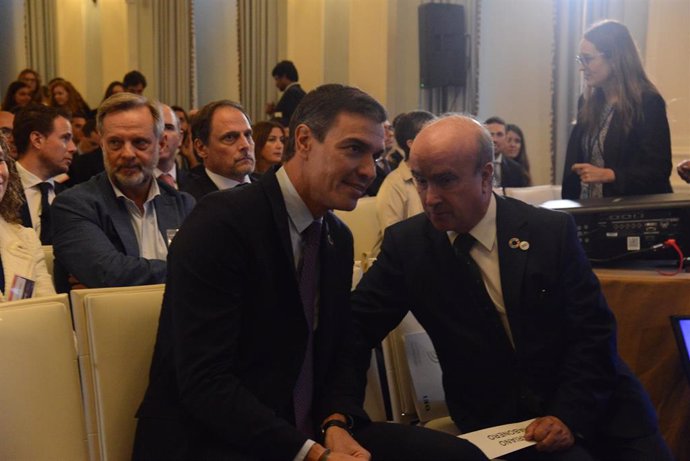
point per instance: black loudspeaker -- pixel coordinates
(442, 45)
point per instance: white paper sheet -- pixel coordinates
(500, 440)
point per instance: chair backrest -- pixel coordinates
(116, 330)
(364, 225)
(41, 415)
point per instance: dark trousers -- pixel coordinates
(391, 441)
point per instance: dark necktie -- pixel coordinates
(304, 387)
(46, 222)
(462, 246)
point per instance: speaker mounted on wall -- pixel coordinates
(442, 60)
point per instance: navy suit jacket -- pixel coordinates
(564, 362)
(199, 185)
(232, 333)
(94, 239)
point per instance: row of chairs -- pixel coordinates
(72, 394)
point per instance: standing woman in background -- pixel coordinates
(516, 149)
(621, 144)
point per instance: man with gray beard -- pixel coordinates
(114, 230)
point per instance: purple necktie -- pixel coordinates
(304, 387)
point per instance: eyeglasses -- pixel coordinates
(585, 59)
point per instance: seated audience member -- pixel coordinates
(253, 346)
(20, 250)
(65, 96)
(269, 145)
(516, 149)
(78, 121)
(382, 166)
(507, 172)
(683, 169)
(112, 88)
(134, 82)
(18, 95)
(287, 80)
(398, 199)
(186, 158)
(395, 155)
(89, 162)
(6, 124)
(167, 170)
(223, 138)
(114, 229)
(33, 79)
(511, 304)
(43, 136)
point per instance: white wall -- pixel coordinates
(13, 50)
(515, 74)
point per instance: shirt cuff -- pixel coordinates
(302, 453)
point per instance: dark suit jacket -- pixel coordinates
(564, 362)
(94, 239)
(199, 185)
(24, 213)
(641, 158)
(85, 166)
(512, 173)
(232, 333)
(288, 103)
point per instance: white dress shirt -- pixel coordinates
(30, 183)
(222, 182)
(149, 238)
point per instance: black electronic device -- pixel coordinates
(442, 60)
(628, 228)
(681, 328)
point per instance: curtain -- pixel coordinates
(41, 37)
(176, 65)
(459, 99)
(259, 49)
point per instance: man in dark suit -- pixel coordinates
(167, 170)
(43, 137)
(507, 172)
(222, 136)
(510, 302)
(114, 229)
(287, 80)
(253, 352)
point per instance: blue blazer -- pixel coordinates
(94, 239)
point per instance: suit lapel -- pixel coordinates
(119, 217)
(166, 213)
(269, 182)
(24, 212)
(510, 225)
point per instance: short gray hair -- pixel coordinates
(120, 102)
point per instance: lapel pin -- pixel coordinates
(514, 242)
(524, 245)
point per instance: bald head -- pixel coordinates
(451, 161)
(6, 123)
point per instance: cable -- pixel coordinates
(673, 244)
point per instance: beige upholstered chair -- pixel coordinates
(116, 330)
(41, 415)
(364, 225)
